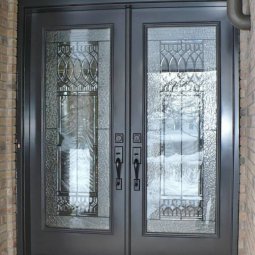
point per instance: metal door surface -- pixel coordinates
(181, 104)
(129, 131)
(76, 124)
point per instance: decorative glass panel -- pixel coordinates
(181, 129)
(77, 133)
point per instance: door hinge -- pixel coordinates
(18, 146)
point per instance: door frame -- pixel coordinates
(26, 9)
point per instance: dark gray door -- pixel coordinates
(181, 103)
(76, 114)
(130, 167)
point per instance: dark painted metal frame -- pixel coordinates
(111, 140)
(234, 133)
(61, 3)
(26, 8)
(236, 106)
(23, 217)
(218, 135)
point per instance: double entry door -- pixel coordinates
(130, 132)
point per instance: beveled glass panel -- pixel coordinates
(181, 129)
(77, 132)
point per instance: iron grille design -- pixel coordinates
(77, 66)
(181, 209)
(75, 128)
(77, 205)
(182, 56)
(77, 79)
(182, 92)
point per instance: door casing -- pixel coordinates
(26, 8)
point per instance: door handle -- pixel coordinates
(118, 179)
(118, 163)
(60, 139)
(118, 167)
(136, 167)
(136, 180)
(136, 162)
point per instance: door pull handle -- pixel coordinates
(137, 162)
(118, 179)
(136, 180)
(136, 166)
(60, 139)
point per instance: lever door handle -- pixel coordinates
(118, 179)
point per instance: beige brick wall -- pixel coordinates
(8, 24)
(247, 139)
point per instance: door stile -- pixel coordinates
(23, 178)
(236, 178)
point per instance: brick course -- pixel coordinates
(8, 34)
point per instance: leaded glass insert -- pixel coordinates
(77, 133)
(181, 129)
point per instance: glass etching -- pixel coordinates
(181, 130)
(77, 110)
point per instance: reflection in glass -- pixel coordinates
(181, 130)
(78, 155)
(77, 110)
